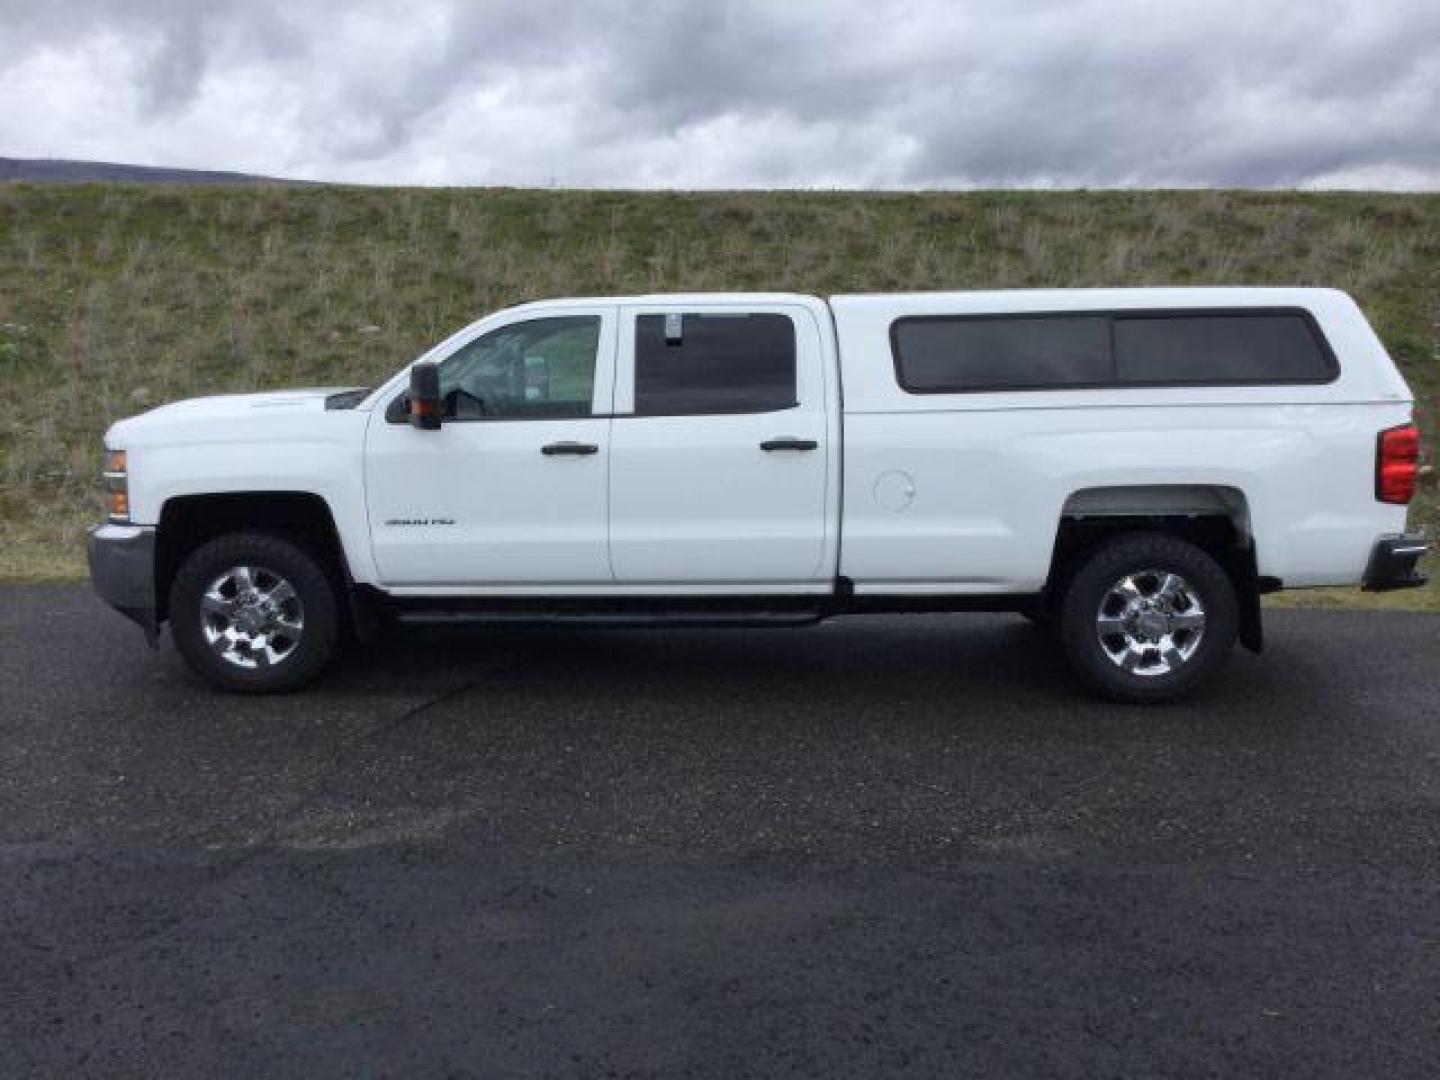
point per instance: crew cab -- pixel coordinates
(1131, 468)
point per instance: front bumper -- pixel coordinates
(1392, 563)
(122, 569)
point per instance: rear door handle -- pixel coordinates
(787, 442)
(577, 448)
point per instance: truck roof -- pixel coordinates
(1179, 296)
(674, 298)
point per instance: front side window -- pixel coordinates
(542, 369)
(687, 364)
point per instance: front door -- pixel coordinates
(511, 490)
(720, 448)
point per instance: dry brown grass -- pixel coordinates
(115, 298)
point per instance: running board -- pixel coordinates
(612, 620)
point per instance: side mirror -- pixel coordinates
(425, 404)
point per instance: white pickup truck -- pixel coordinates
(1130, 467)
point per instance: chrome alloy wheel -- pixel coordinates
(1150, 622)
(252, 617)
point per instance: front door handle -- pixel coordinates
(787, 442)
(577, 448)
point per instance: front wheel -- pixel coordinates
(1148, 617)
(254, 613)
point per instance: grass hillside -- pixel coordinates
(116, 298)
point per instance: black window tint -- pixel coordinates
(715, 364)
(1219, 348)
(541, 369)
(1023, 352)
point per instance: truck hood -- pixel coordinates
(267, 410)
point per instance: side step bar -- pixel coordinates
(611, 620)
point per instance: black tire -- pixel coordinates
(1161, 673)
(316, 607)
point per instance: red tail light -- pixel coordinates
(1397, 463)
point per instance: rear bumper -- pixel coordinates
(1392, 563)
(122, 569)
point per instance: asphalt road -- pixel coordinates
(883, 846)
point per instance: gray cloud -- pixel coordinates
(734, 94)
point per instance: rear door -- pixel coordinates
(720, 452)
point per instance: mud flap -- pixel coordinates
(1247, 594)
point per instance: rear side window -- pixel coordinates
(689, 363)
(955, 354)
(1233, 348)
(933, 355)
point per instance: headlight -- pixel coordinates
(117, 486)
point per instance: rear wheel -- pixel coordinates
(254, 613)
(1148, 617)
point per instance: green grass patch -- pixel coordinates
(114, 298)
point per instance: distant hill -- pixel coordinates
(55, 171)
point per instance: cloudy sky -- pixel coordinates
(710, 93)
